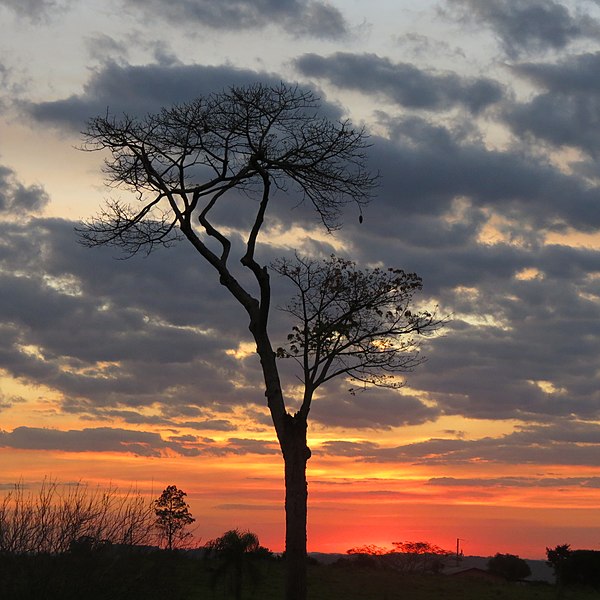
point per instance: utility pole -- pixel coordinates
(459, 553)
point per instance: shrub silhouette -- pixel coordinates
(237, 555)
(509, 566)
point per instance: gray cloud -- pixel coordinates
(402, 83)
(36, 11)
(16, 198)
(566, 112)
(135, 418)
(372, 408)
(525, 482)
(101, 46)
(529, 350)
(529, 446)
(298, 17)
(138, 90)
(141, 443)
(422, 45)
(477, 369)
(114, 333)
(99, 439)
(425, 167)
(528, 25)
(516, 347)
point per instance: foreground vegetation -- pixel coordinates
(73, 543)
(126, 573)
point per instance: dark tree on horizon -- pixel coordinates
(509, 566)
(172, 516)
(254, 140)
(236, 553)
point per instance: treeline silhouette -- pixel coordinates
(575, 567)
(74, 542)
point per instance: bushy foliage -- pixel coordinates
(405, 557)
(509, 566)
(575, 567)
(557, 558)
(236, 555)
(101, 573)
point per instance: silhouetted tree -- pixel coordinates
(172, 516)
(510, 566)
(574, 567)
(420, 556)
(368, 550)
(236, 553)
(406, 557)
(557, 558)
(182, 163)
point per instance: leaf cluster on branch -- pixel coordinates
(351, 321)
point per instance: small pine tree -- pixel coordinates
(172, 516)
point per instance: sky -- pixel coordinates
(484, 123)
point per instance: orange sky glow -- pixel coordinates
(351, 503)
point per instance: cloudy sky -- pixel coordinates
(485, 129)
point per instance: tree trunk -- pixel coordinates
(291, 433)
(295, 455)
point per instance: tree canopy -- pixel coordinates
(172, 516)
(352, 322)
(510, 566)
(183, 160)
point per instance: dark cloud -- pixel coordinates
(426, 167)
(114, 333)
(497, 358)
(18, 199)
(209, 425)
(310, 18)
(422, 45)
(402, 83)
(567, 112)
(101, 46)
(250, 446)
(525, 482)
(528, 25)
(141, 443)
(370, 408)
(529, 446)
(520, 344)
(135, 418)
(99, 439)
(138, 90)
